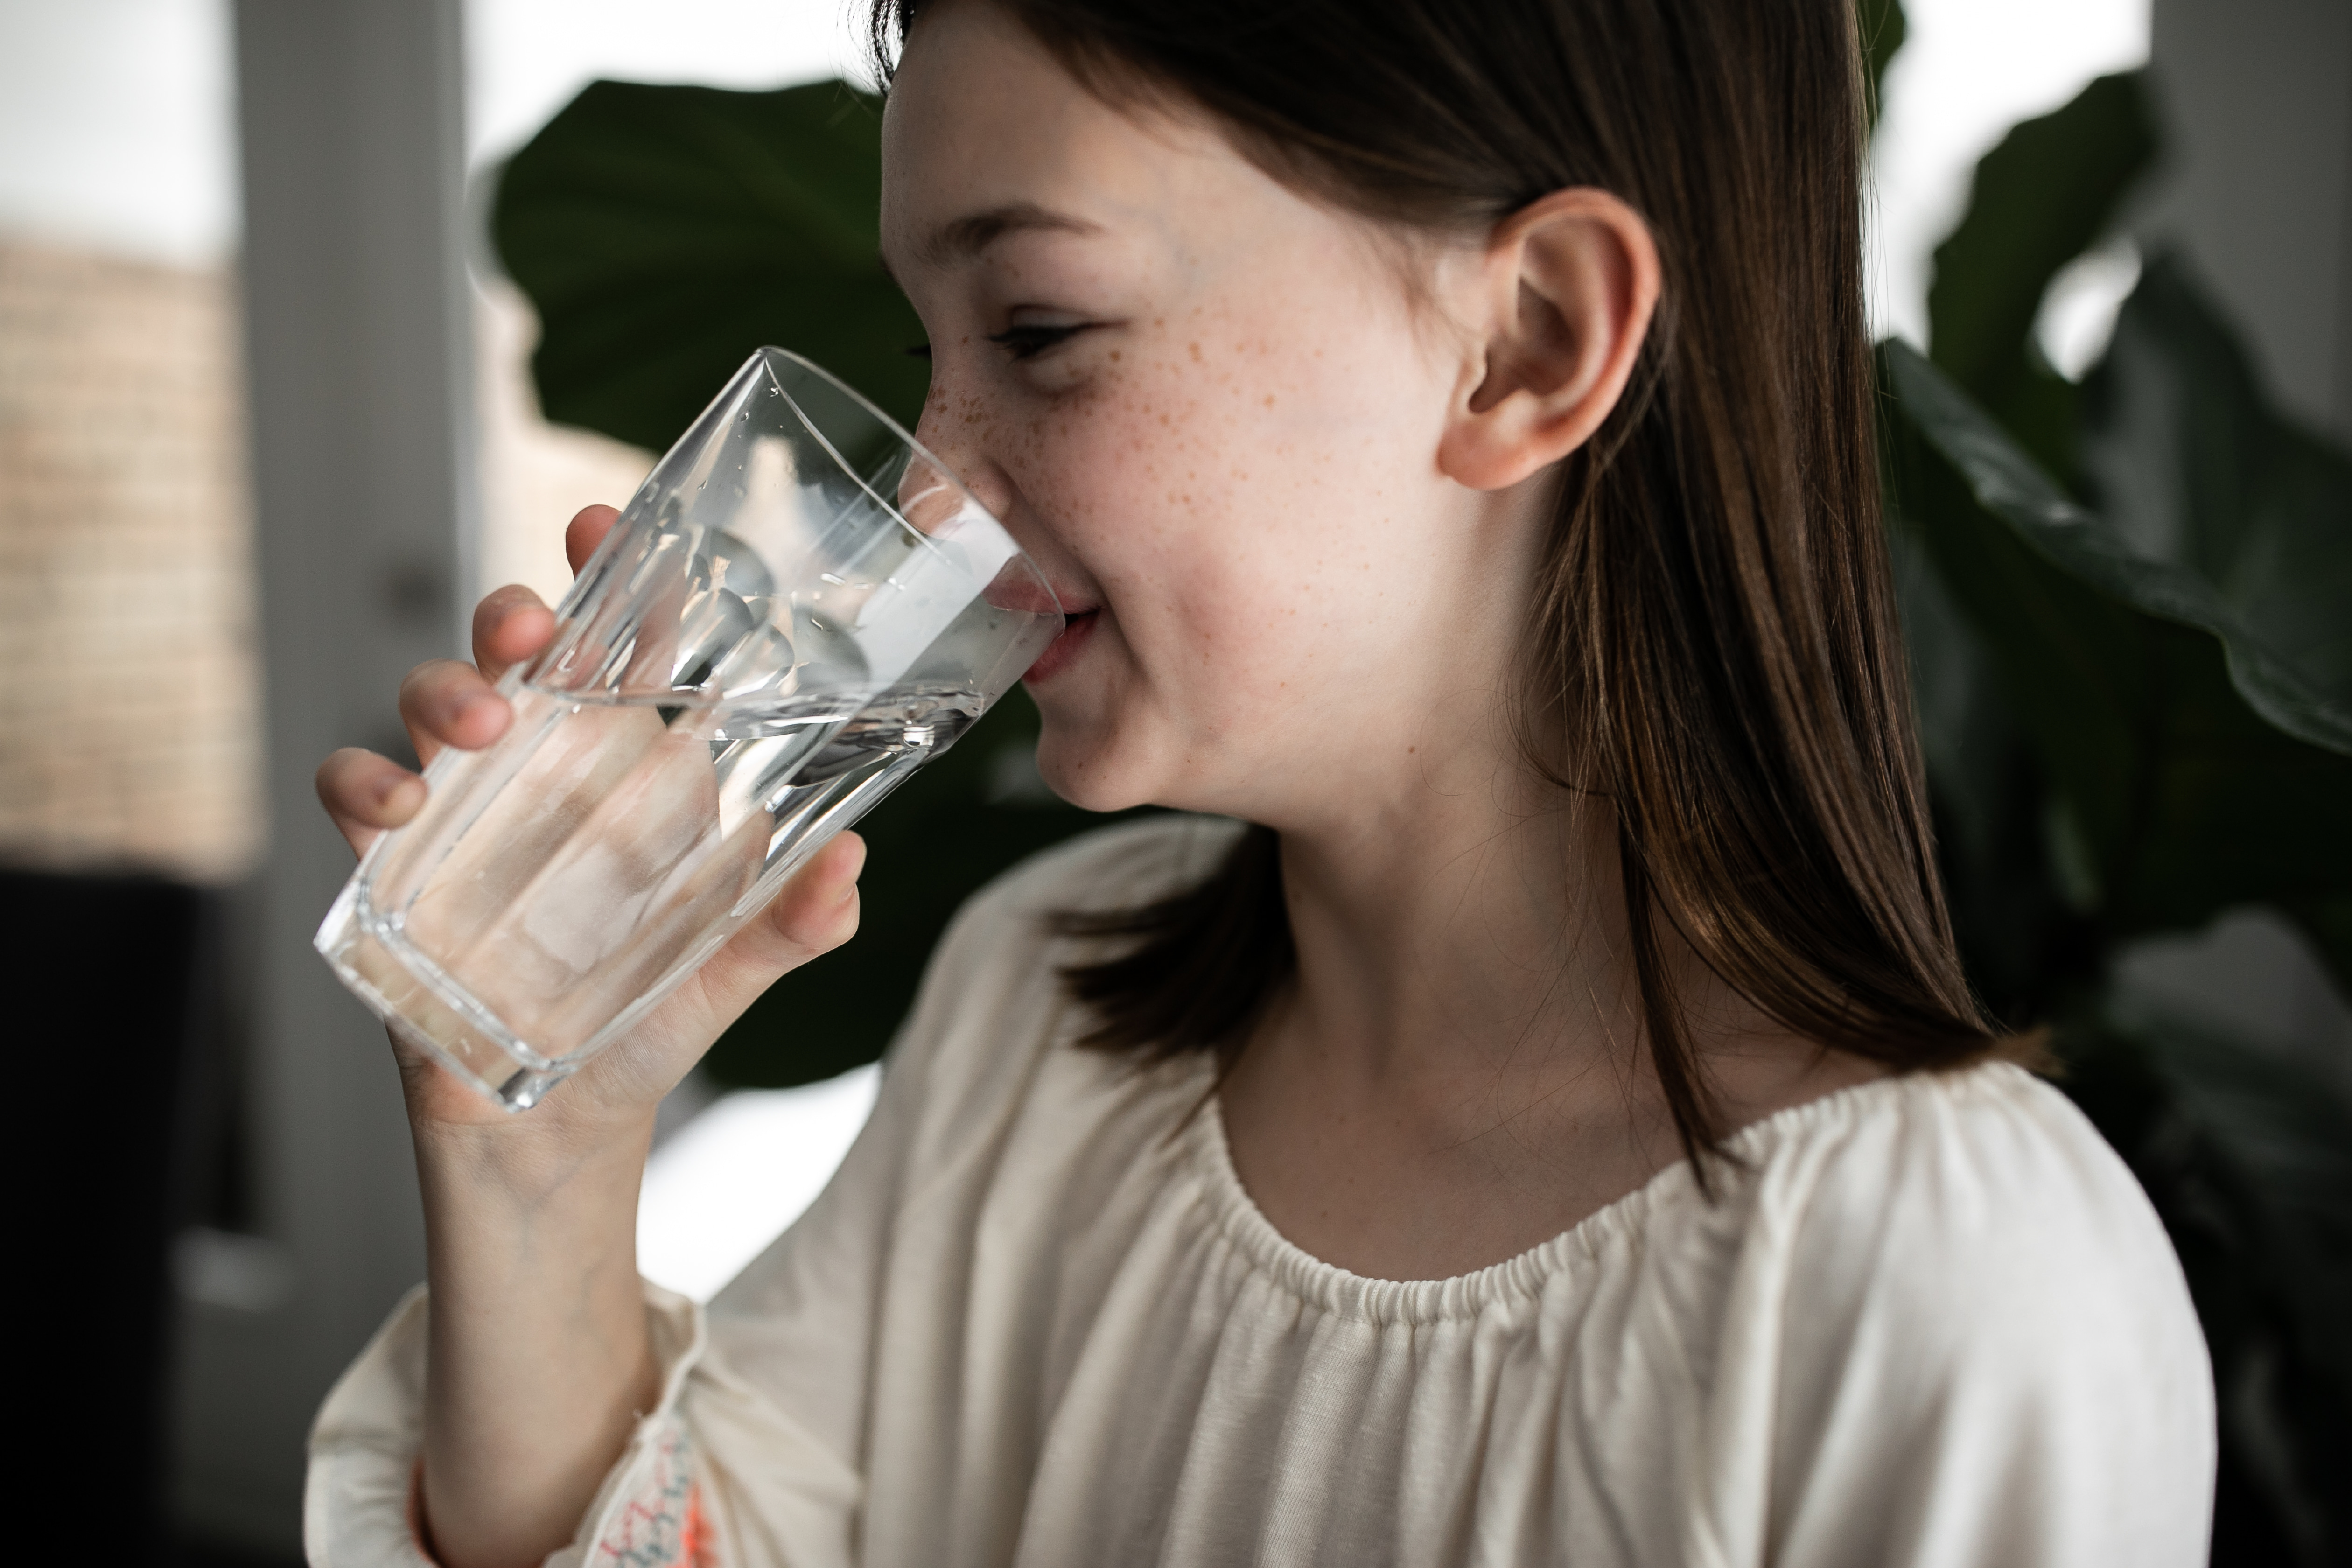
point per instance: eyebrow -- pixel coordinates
(967, 236)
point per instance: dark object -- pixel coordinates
(112, 979)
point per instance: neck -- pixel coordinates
(1472, 920)
(1466, 969)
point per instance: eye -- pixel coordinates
(1026, 340)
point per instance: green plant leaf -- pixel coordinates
(2191, 765)
(2024, 945)
(2022, 889)
(663, 233)
(2041, 197)
(2196, 467)
(2007, 482)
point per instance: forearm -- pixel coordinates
(538, 1360)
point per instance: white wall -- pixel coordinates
(2258, 94)
(117, 126)
(526, 58)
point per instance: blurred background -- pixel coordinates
(268, 426)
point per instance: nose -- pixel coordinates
(964, 427)
(956, 424)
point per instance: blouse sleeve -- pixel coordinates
(359, 1502)
(1990, 1358)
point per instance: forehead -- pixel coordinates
(984, 124)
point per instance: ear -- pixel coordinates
(1564, 291)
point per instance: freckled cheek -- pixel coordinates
(1213, 488)
(1146, 482)
(1065, 461)
(1102, 463)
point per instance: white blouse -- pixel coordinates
(1035, 1320)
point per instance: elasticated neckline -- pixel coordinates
(1333, 1289)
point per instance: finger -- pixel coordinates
(816, 911)
(813, 913)
(588, 530)
(509, 625)
(366, 795)
(446, 703)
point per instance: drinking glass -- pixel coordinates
(800, 608)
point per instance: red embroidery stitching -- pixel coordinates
(695, 1540)
(668, 1531)
(667, 1528)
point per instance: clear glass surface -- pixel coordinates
(799, 608)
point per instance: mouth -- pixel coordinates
(1077, 626)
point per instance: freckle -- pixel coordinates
(1114, 354)
(1196, 354)
(1269, 400)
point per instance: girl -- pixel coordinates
(1530, 1109)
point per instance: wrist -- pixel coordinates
(532, 1157)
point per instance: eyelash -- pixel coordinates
(1020, 343)
(1027, 342)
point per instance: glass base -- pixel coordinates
(426, 1008)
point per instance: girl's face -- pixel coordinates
(1210, 409)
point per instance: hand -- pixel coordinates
(446, 702)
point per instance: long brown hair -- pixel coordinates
(1714, 612)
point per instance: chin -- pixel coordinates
(1089, 775)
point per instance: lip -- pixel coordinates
(1077, 626)
(1016, 588)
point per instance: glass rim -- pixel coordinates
(768, 353)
